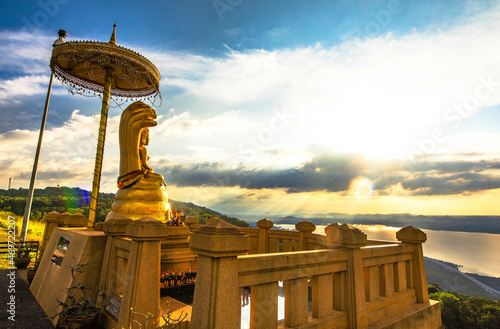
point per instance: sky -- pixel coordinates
(274, 108)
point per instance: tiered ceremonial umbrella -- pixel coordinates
(104, 67)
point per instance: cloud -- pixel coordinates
(233, 32)
(277, 32)
(361, 100)
(25, 52)
(185, 125)
(336, 173)
(376, 96)
(22, 86)
(67, 153)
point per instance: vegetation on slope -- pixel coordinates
(35, 233)
(74, 199)
(460, 311)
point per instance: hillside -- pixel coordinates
(450, 279)
(74, 199)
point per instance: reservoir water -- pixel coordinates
(475, 252)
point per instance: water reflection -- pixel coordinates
(475, 252)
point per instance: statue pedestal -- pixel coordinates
(148, 198)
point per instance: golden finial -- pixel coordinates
(113, 36)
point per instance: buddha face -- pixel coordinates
(145, 136)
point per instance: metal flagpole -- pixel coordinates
(29, 200)
(27, 209)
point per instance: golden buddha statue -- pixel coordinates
(141, 191)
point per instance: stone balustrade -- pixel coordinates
(264, 240)
(337, 280)
(352, 284)
(55, 219)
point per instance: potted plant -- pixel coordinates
(22, 258)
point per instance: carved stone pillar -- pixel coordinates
(264, 226)
(192, 223)
(305, 229)
(50, 224)
(142, 283)
(352, 239)
(416, 237)
(332, 232)
(217, 297)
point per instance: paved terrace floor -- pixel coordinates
(28, 313)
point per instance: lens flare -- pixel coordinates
(361, 187)
(334, 238)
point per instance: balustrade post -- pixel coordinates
(142, 282)
(416, 237)
(74, 220)
(63, 217)
(332, 232)
(217, 297)
(50, 224)
(305, 228)
(352, 239)
(264, 226)
(213, 219)
(110, 276)
(192, 223)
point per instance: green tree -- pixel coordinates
(466, 312)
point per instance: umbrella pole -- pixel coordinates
(100, 149)
(27, 209)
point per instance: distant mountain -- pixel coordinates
(74, 199)
(479, 224)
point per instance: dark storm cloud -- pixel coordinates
(334, 173)
(465, 182)
(453, 166)
(323, 173)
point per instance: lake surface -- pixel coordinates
(475, 252)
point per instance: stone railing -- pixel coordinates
(263, 239)
(54, 219)
(136, 252)
(352, 285)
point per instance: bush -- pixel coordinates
(462, 311)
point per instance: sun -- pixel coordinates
(361, 187)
